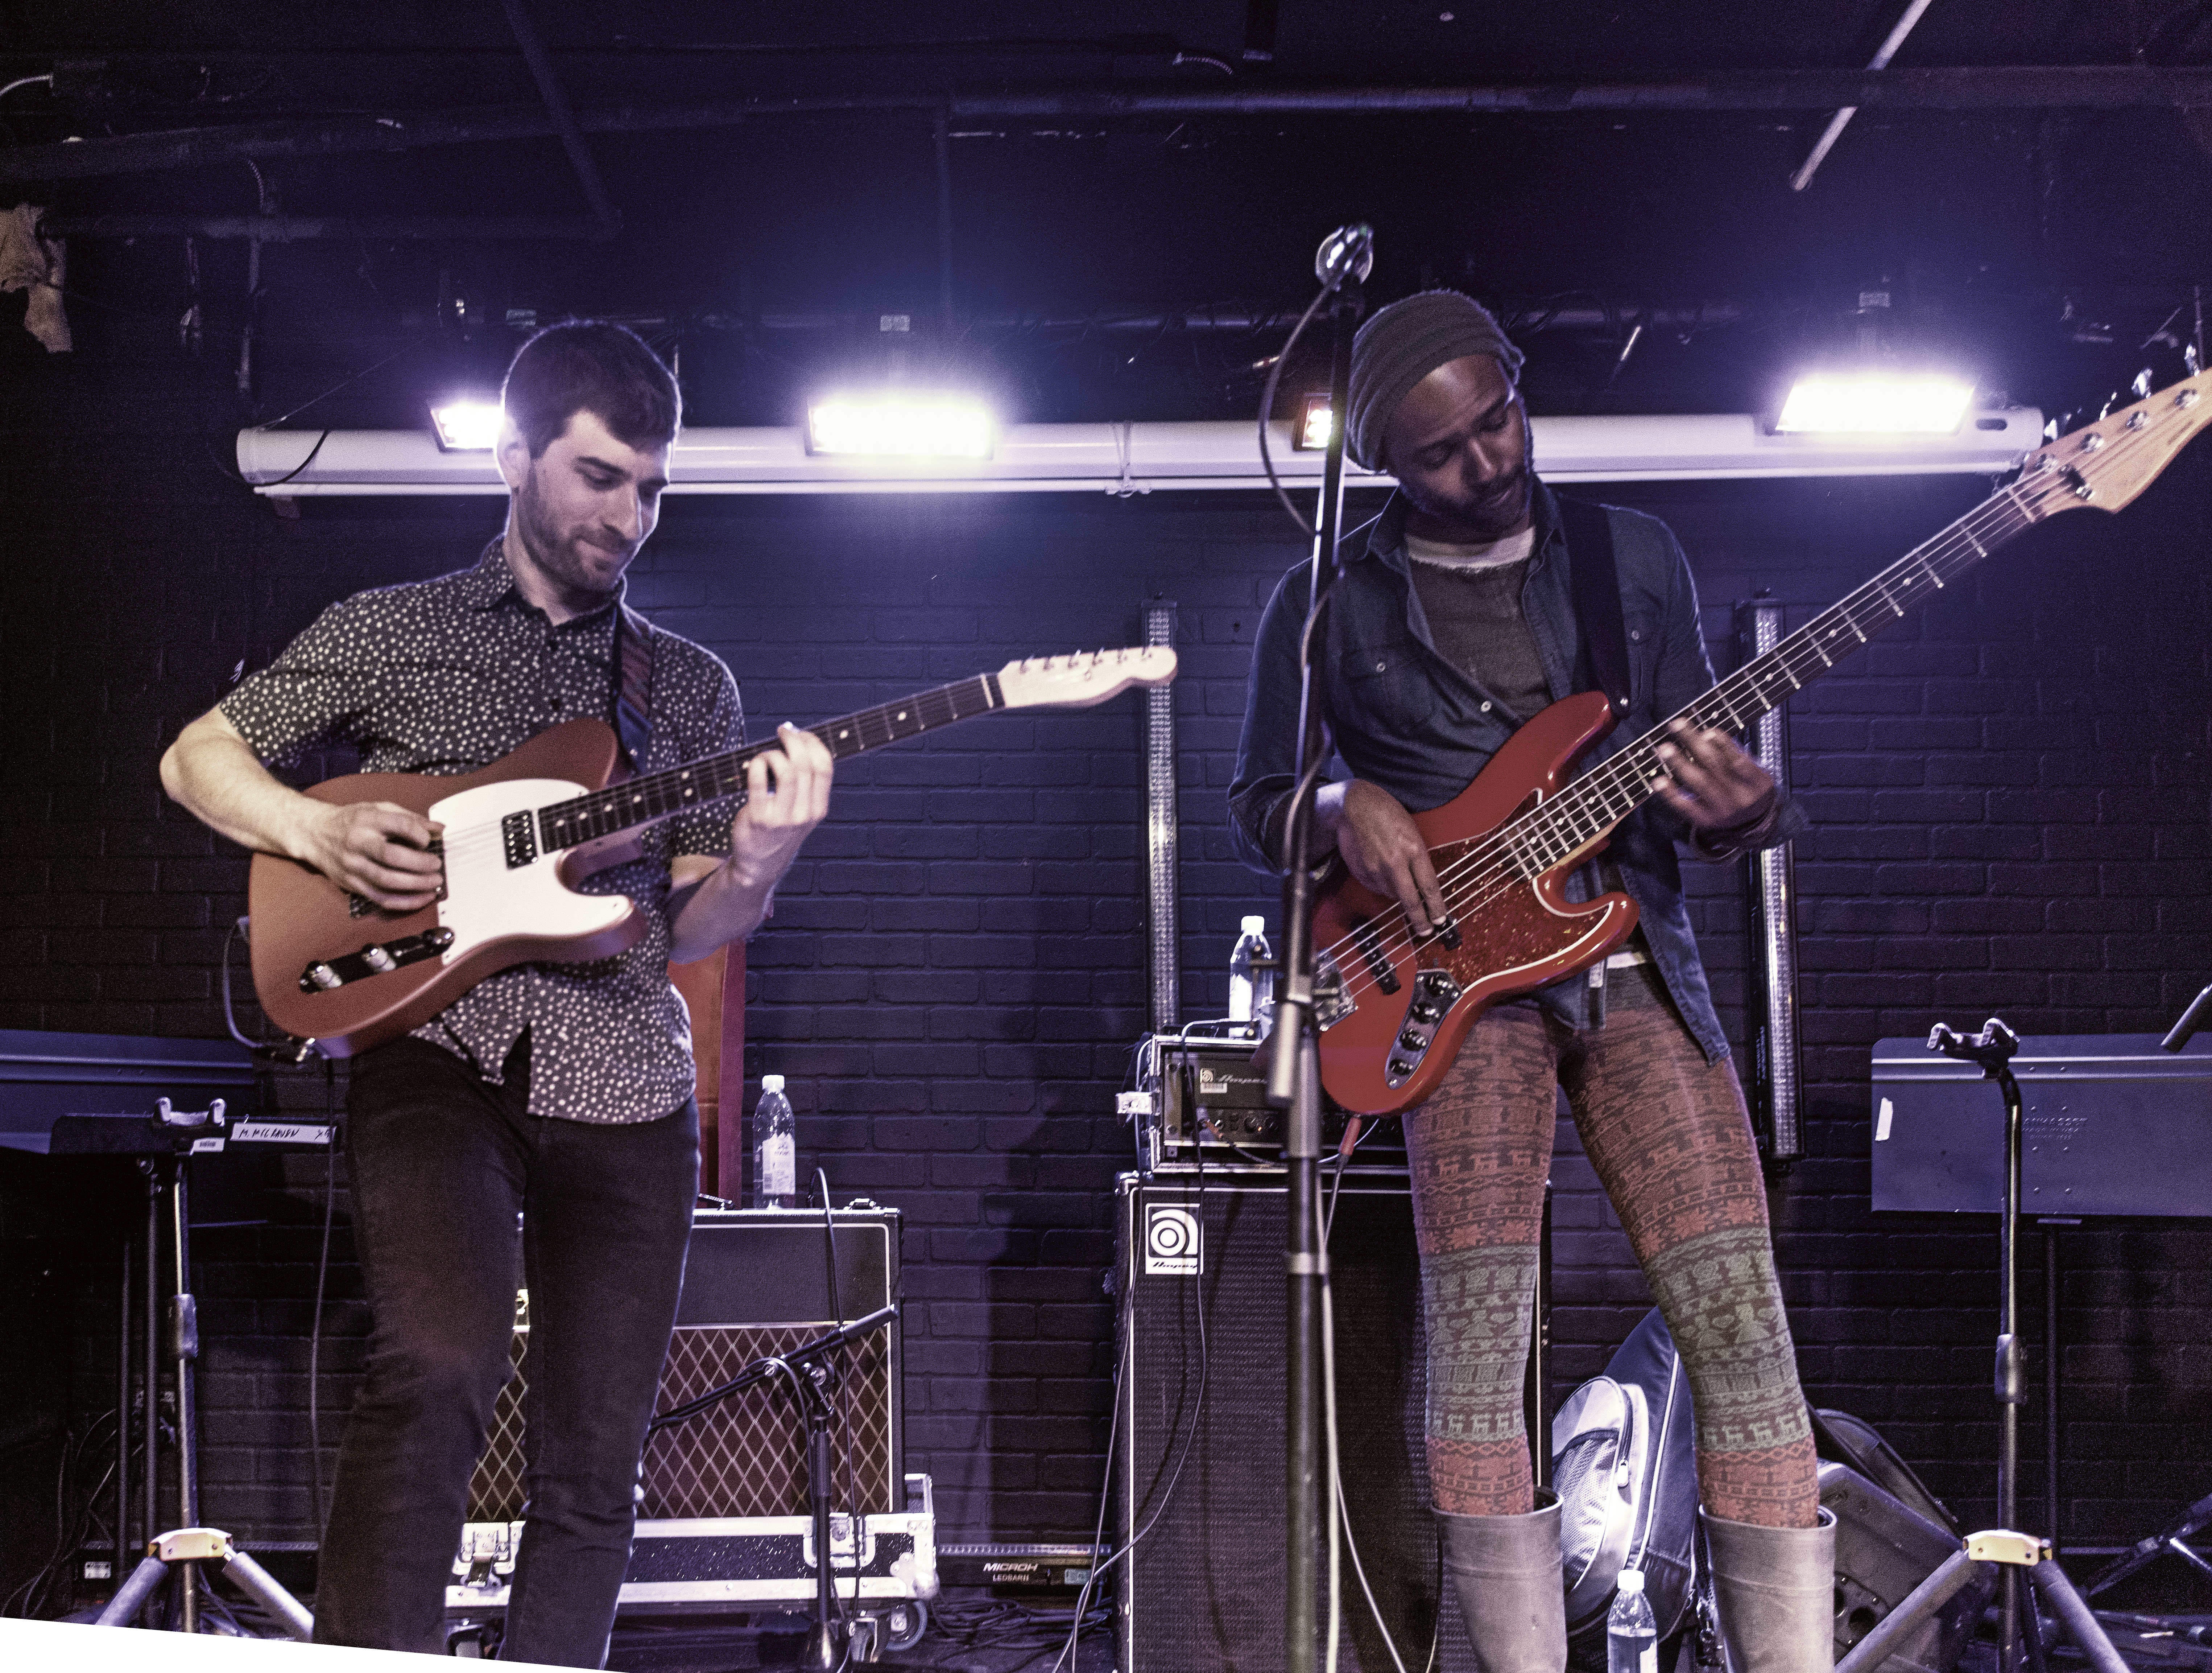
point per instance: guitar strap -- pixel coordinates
(632, 694)
(1597, 597)
(1596, 583)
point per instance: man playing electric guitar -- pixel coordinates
(1456, 624)
(561, 1092)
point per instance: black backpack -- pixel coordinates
(1625, 1465)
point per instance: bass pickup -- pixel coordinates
(375, 959)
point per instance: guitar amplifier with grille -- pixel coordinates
(724, 1518)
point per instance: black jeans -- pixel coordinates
(441, 1162)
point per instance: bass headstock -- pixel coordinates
(2107, 464)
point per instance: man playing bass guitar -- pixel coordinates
(1456, 622)
(559, 1092)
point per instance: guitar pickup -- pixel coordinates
(1370, 943)
(1435, 992)
(375, 959)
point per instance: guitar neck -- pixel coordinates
(1600, 799)
(642, 801)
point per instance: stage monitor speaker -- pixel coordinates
(756, 1283)
(1199, 1460)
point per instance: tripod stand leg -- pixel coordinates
(130, 1596)
(1929, 1596)
(2143, 1551)
(256, 1583)
(2079, 1620)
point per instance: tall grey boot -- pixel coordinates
(1506, 1572)
(1776, 1592)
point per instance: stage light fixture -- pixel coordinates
(467, 426)
(901, 425)
(1875, 403)
(1316, 424)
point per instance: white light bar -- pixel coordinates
(1875, 403)
(900, 424)
(1140, 459)
(466, 427)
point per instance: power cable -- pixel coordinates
(322, 1275)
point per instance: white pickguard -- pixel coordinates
(485, 901)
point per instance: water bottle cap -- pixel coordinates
(771, 1083)
(1632, 1580)
(1256, 926)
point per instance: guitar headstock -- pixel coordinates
(2107, 464)
(1083, 678)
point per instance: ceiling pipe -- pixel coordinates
(1128, 458)
(2087, 87)
(1841, 119)
(609, 218)
(306, 228)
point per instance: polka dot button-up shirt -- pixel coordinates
(447, 675)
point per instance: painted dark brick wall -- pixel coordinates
(2009, 795)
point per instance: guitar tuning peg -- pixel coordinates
(2142, 385)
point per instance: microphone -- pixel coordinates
(1346, 253)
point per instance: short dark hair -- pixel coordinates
(595, 366)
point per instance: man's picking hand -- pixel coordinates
(376, 850)
(1382, 848)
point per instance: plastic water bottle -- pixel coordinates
(776, 1148)
(1251, 993)
(1632, 1636)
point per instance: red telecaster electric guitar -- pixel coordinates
(1393, 1008)
(330, 968)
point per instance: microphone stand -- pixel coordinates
(809, 1382)
(1294, 1073)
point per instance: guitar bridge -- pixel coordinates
(373, 960)
(1435, 992)
(1331, 1004)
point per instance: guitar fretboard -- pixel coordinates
(642, 801)
(1556, 830)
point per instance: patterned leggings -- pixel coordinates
(1670, 1140)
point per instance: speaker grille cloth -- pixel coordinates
(1205, 1588)
(746, 1457)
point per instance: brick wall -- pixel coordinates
(2009, 798)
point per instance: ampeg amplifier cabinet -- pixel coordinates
(1199, 1464)
(756, 1284)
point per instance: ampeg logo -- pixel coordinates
(1171, 1242)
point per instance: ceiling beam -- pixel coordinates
(2092, 87)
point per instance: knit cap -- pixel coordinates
(1404, 342)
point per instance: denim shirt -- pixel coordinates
(1403, 718)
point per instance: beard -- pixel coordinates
(566, 554)
(1490, 516)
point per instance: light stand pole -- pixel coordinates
(1294, 1077)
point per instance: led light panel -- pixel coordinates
(1874, 404)
(902, 425)
(466, 427)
